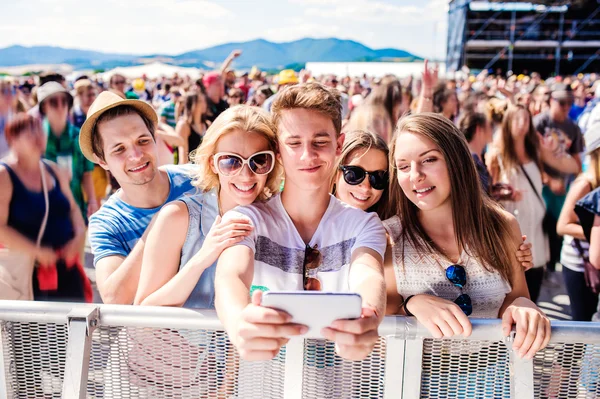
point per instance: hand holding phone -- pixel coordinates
(315, 309)
(261, 331)
(355, 339)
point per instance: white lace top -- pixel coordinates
(425, 274)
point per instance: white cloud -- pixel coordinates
(176, 26)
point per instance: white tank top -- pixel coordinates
(529, 211)
(424, 273)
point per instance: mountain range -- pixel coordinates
(260, 52)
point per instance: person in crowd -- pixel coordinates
(167, 111)
(389, 96)
(25, 95)
(57, 274)
(185, 241)
(591, 113)
(192, 126)
(478, 131)
(7, 111)
(85, 96)
(213, 84)
(554, 124)
(371, 117)
(447, 260)
(163, 94)
(286, 77)
(244, 86)
(119, 135)
(579, 100)
(575, 248)
(308, 122)
(261, 95)
(516, 160)
(62, 145)
(235, 97)
(541, 100)
(139, 90)
(118, 84)
(445, 101)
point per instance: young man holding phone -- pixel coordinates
(304, 238)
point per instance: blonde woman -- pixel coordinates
(236, 165)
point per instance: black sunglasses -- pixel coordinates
(457, 275)
(354, 175)
(312, 261)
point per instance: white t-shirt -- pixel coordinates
(279, 250)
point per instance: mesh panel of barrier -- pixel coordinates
(326, 375)
(168, 363)
(567, 371)
(464, 369)
(34, 359)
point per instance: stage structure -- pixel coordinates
(550, 37)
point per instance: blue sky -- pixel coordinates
(176, 26)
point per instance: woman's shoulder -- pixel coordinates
(512, 223)
(393, 227)
(176, 212)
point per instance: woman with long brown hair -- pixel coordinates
(451, 252)
(516, 159)
(192, 125)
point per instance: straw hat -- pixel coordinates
(105, 101)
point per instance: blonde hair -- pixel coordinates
(593, 172)
(312, 96)
(249, 120)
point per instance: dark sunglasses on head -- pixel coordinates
(457, 275)
(230, 164)
(312, 261)
(119, 82)
(354, 175)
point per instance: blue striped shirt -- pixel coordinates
(117, 226)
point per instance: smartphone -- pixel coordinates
(315, 309)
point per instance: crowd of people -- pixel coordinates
(434, 198)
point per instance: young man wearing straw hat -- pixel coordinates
(119, 135)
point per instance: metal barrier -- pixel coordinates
(51, 350)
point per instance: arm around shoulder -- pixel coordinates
(162, 253)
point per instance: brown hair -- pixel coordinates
(364, 140)
(389, 94)
(21, 122)
(506, 144)
(240, 117)
(312, 96)
(480, 226)
(441, 94)
(469, 122)
(113, 113)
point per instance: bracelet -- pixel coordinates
(406, 311)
